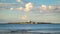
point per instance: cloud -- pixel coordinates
(20, 8)
(11, 8)
(59, 7)
(18, 0)
(43, 7)
(25, 17)
(6, 5)
(28, 6)
(51, 7)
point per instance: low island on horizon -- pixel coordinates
(31, 22)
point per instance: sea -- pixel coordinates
(29, 28)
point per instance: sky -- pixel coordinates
(29, 10)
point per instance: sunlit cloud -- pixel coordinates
(27, 9)
(11, 8)
(28, 6)
(43, 7)
(51, 7)
(20, 8)
(18, 0)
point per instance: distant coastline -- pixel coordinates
(30, 22)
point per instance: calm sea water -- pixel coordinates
(45, 28)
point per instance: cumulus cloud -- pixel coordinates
(28, 6)
(43, 7)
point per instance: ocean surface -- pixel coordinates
(29, 28)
